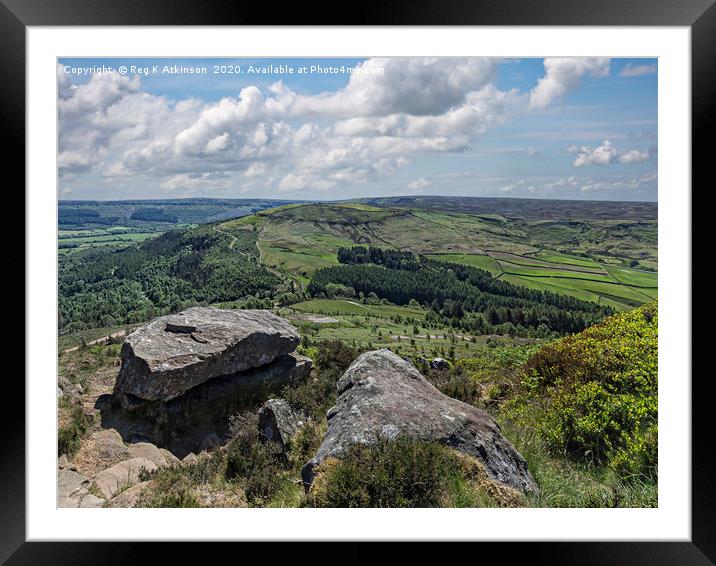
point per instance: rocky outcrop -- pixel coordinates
(65, 388)
(278, 422)
(382, 395)
(173, 354)
(119, 477)
(150, 452)
(183, 424)
(73, 490)
(104, 468)
(100, 450)
(183, 375)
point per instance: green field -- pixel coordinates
(556, 257)
(543, 284)
(634, 277)
(299, 239)
(588, 289)
(388, 326)
(75, 239)
(341, 307)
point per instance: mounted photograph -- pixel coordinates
(357, 282)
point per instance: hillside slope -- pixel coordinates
(278, 251)
(593, 260)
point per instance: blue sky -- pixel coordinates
(538, 128)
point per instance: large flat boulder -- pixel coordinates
(174, 353)
(382, 395)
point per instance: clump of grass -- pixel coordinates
(70, 435)
(176, 486)
(304, 444)
(565, 483)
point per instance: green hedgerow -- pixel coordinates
(593, 396)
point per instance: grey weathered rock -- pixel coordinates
(91, 501)
(170, 355)
(190, 459)
(148, 451)
(278, 422)
(123, 475)
(439, 363)
(170, 458)
(130, 496)
(382, 395)
(71, 487)
(106, 446)
(67, 388)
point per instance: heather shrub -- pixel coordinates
(406, 473)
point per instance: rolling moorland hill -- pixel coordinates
(89, 224)
(271, 257)
(182, 211)
(609, 261)
(496, 309)
(532, 209)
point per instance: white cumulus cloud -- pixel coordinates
(606, 154)
(277, 139)
(601, 155)
(635, 156)
(563, 74)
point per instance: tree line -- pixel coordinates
(101, 287)
(455, 293)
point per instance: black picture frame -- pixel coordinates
(699, 15)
